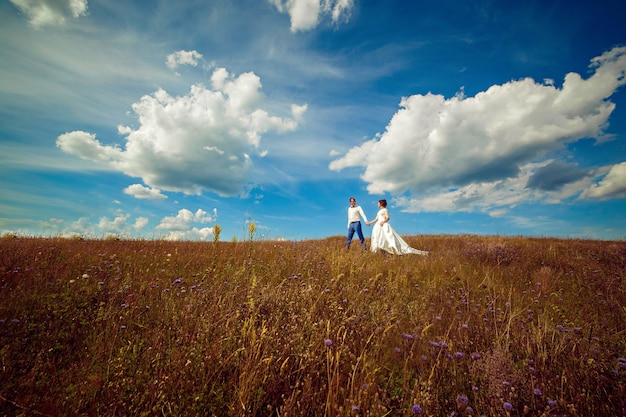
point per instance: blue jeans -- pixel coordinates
(355, 227)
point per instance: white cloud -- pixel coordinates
(200, 141)
(493, 197)
(193, 234)
(117, 225)
(140, 223)
(305, 14)
(82, 226)
(497, 213)
(184, 220)
(613, 185)
(181, 226)
(182, 58)
(88, 147)
(144, 193)
(338, 9)
(43, 13)
(482, 151)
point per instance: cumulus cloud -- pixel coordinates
(120, 225)
(194, 234)
(117, 225)
(82, 226)
(492, 149)
(140, 223)
(43, 13)
(204, 140)
(182, 58)
(144, 193)
(305, 14)
(182, 226)
(613, 185)
(184, 220)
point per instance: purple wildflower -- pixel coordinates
(462, 400)
(552, 403)
(508, 406)
(328, 342)
(537, 392)
(476, 355)
(459, 355)
(416, 409)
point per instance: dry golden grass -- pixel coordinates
(485, 325)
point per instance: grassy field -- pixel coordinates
(485, 325)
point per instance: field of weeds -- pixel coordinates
(494, 326)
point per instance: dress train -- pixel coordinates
(387, 239)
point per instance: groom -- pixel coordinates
(354, 222)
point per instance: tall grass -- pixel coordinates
(494, 326)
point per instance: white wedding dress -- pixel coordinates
(387, 239)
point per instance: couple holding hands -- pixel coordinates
(383, 235)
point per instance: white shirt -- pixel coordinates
(354, 214)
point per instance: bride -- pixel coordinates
(385, 238)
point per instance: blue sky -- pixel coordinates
(161, 119)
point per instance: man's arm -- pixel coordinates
(362, 213)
